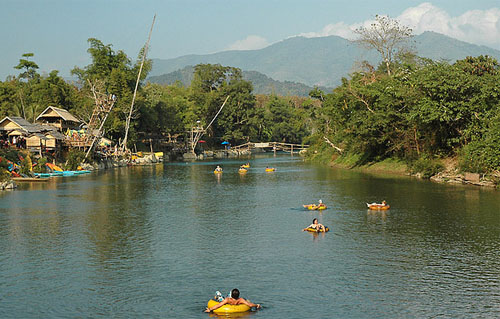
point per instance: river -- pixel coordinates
(158, 241)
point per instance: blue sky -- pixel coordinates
(57, 30)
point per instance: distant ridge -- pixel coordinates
(319, 61)
(262, 84)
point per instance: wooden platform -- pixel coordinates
(272, 146)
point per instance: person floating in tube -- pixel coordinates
(320, 203)
(234, 299)
(316, 225)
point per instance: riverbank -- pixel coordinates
(107, 163)
(449, 171)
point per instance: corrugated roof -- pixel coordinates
(25, 125)
(67, 116)
(55, 133)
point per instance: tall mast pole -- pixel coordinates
(127, 125)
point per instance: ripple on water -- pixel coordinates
(158, 241)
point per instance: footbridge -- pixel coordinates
(271, 147)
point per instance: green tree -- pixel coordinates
(387, 36)
(118, 74)
(28, 66)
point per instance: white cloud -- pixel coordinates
(252, 42)
(340, 29)
(474, 26)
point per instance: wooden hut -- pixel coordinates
(58, 118)
(37, 136)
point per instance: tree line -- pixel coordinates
(160, 110)
(424, 109)
(410, 108)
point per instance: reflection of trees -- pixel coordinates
(118, 223)
(34, 219)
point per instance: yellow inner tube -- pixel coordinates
(312, 230)
(379, 207)
(270, 169)
(217, 172)
(228, 308)
(242, 171)
(315, 207)
(245, 166)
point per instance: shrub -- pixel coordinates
(481, 156)
(4, 175)
(74, 158)
(26, 165)
(40, 165)
(10, 154)
(426, 166)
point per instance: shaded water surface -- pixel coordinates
(157, 242)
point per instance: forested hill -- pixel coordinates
(261, 83)
(319, 61)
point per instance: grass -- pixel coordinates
(388, 165)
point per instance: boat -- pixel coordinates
(63, 173)
(53, 167)
(30, 179)
(80, 172)
(270, 169)
(228, 308)
(375, 206)
(315, 207)
(49, 174)
(313, 230)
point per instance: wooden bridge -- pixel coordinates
(272, 146)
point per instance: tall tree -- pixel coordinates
(115, 69)
(28, 66)
(385, 35)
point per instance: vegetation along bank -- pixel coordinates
(434, 119)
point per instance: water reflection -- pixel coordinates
(157, 241)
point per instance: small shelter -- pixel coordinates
(37, 136)
(58, 118)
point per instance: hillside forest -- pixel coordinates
(408, 108)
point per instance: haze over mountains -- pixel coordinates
(319, 61)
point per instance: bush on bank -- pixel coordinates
(424, 111)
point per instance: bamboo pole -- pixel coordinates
(127, 125)
(199, 133)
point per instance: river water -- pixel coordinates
(158, 241)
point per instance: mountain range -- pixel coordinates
(321, 61)
(262, 84)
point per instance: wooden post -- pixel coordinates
(192, 140)
(291, 153)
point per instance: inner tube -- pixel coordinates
(246, 166)
(312, 230)
(379, 207)
(270, 169)
(315, 207)
(242, 171)
(217, 172)
(228, 308)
